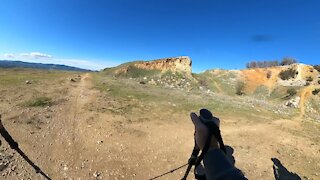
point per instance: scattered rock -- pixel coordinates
(97, 175)
(152, 82)
(293, 102)
(28, 82)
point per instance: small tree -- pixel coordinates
(262, 64)
(288, 61)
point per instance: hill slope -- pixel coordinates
(295, 85)
(21, 64)
(106, 127)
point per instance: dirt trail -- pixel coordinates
(304, 95)
(66, 131)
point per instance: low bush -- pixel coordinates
(292, 91)
(269, 74)
(316, 91)
(288, 74)
(309, 79)
(39, 102)
(240, 88)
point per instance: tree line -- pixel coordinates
(265, 64)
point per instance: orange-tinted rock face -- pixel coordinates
(177, 64)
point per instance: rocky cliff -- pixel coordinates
(180, 64)
(176, 64)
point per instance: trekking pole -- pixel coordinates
(171, 171)
(14, 145)
(207, 119)
(191, 161)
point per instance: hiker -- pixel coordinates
(216, 164)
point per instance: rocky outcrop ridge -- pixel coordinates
(180, 64)
(176, 64)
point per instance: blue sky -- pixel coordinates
(216, 34)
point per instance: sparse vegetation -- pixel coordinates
(288, 74)
(309, 79)
(240, 88)
(135, 72)
(316, 91)
(288, 61)
(269, 74)
(319, 81)
(291, 92)
(203, 82)
(128, 110)
(265, 64)
(317, 67)
(262, 64)
(174, 75)
(39, 102)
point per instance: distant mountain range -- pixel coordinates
(21, 64)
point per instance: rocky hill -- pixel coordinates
(169, 72)
(180, 64)
(295, 85)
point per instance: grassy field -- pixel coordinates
(181, 101)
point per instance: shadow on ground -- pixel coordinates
(281, 173)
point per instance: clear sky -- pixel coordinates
(214, 33)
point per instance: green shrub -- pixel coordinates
(288, 74)
(240, 88)
(309, 79)
(39, 102)
(137, 72)
(318, 81)
(292, 91)
(316, 91)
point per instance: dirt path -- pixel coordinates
(66, 131)
(304, 95)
